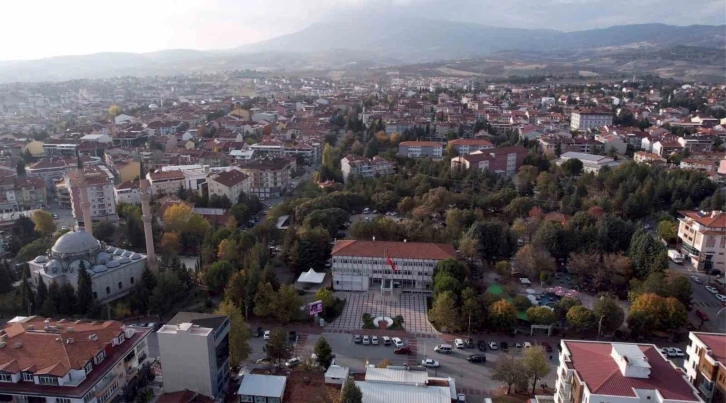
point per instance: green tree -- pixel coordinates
(443, 313)
(84, 292)
(265, 299)
(328, 156)
(27, 296)
(67, 305)
(471, 308)
(572, 167)
(169, 291)
(580, 318)
(647, 254)
(495, 240)
(668, 231)
(44, 223)
(239, 332)
(277, 347)
(532, 260)
(351, 393)
(443, 282)
(52, 302)
(326, 296)
(541, 315)
(287, 303)
(502, 315)
(236, 289)
(610, 312)
(324, 352)
(510, 370)
(217, 275)
(453, 267)
(521, 303)
(41, 294)
(104, 231)
(32, 250)
(536, 364)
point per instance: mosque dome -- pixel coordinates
(103, 258)
(77, 242)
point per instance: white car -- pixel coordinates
(292, 362)
(429, 363)
(374, 340)
(267, 335)
(721, 297)
(459, 343)
(664, 351)
(397, 342)
(366, 340)
(461, 398)
(493, 345)
(675, 352)
(696, 279)
(711, 289)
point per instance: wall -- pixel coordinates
(188, 362)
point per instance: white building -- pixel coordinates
(231, 184)
(100, 190)
(127, 192)
(67, 361)
(590, 372)
(269, 177)
(113, 271)
(468, 146)
(591, 163)
(365, 167)
(401, 385)
(361, 265)
(706, 365)
(165, 183)
(590, 118)
(702, 237)
(255, 388)
(194, 348)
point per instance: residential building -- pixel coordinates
(706, 365)
(590, 118)
(697, 144)
(60, 147)
(402, 385)
(194, 348)
(549, 143)
(702, 235)
(100, 190)
(165, 182)
(361, 265)
(590, 163)
(421, 149)
(69, 361)
(666, 148)
(590, 372)
(230, 184)
(127, 192)
(468, 146)
(502, 160)
(128, 171)
(646, 157)
(255, 388)
(611, 141)
(18, 194)
(698, 165)
(269, 177)
(365, 167)
(51, 170)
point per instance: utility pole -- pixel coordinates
(599, 326)
(468, 332)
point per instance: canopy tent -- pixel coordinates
(525, 281)
(311, 276)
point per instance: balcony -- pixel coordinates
(706, 388)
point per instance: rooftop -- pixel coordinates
(230, 178)
(205, 320)
(706, 218)
(374, 392)
(716, 342)
(262, 385)
(400, 250)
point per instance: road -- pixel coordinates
(702, 299)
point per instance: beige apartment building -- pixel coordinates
(702, 237)
(706, 365)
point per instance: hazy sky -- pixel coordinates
(41, 28)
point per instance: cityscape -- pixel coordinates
(344, 208)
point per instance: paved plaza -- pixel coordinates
(411, 306)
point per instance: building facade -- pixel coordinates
(706, 365)
(365, 167)
(468, 146)
(362, 265)
(590, 163)
(421, 149)
(100, 191)
(165, 183)
(195, 351)
(230, 184)
(590, 119)
(66, 361)
(504, 160)
(702, 236)
(19, 194)
(127, 192)
(269, 177)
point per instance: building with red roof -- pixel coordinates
(619, 372)
(706, 365)
(703, 238)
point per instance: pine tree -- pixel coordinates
(351, 393)
(51, 303)
(6, 281)
(84, 293)
(67, 304)
(41, 294)
(26, 293)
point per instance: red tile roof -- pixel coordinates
(716, 342)
(600, 372)
(718, 220)
(401, 250)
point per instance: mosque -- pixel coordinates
(114, 271)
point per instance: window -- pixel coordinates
(47, 380)
(89, 396)
(260, 399)
(27, 377)
(246, 398)
(89, 367)
(132, 280)
(100, 357)
(62, 400)
(20, 399)
(108, 290)
(5, 377)
(120, 285)
(121, 338)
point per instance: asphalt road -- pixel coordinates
(702, 299)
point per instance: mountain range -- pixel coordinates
(368, 41)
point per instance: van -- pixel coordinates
(386, 340)
(443, 349)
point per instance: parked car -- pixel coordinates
(292, 362)
(443, 349)
(504, 346)
(397, 342)
(357, 339)
(366, 210)
(366, 339)
(702, 315)
(429, 363)
(477, 358)
(711, 289)
(267, 335)
(518, 345)
(459, 343)
(664, 351)
(696, 279)
(263, 360)
(386, 340)
(674, 352)
(461, 398)
(469, 343)
(721, 297)
(402, 350)
(547, 346)
(527, 344)
(55, 216)
(493, 345)
(374, 340)
(482, 345)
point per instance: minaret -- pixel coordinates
(146, 217)
(83, 192)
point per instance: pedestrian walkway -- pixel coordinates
(714, 304)
(412, 307)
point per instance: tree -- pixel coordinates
(521, 303)
(326, 296)
(502, 315)
(217, 275)
(668, 231)
(239, 332)
(168, 292)
(384, 363)
(510, 370)
(536, 364)
(170, 243)
(541, 315)
(41, 294)
(610, 312)
(328, 157)
(351, 393)
(114, 110)
(228, 250)
(503, 268)
(44, 222)
(52, 302)
(26, 293)
(324, 352)
(443, 313)
(104, 231)
(452, 267)
(20, 168)
(33, 249)
(532, 260)
(471, 308)
(647, 254)
(495, 240)
(572, 167)
(84, 292)
(176, 217)
(236, 289)
(265, 300)
(277, 347)
(287, 303)
(675, 314)
(444, 282)
(67, 302)
(580, 318)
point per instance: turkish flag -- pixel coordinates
(390, 262)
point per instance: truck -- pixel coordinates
(675, 256)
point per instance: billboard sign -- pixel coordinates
(315, 307)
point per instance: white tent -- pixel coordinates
(311, 276)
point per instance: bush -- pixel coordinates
(368, 321)
(332, 312)
(397, 323)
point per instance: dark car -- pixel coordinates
(477, 358)
(504, 346)
(482, 345)
(469, 343)
(547, 346)
(402, 350)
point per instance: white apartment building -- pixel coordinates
(706, 365)
(269, 177)
(51, 170)
(593, 372)
(419, 149)
(702, 236)
(590, 118)
(100, 190)
(194, 348)
(128, 192)
(165, 183)
(67, 361)
(361, 265)
(468, 146)
(591, 163)
(231, 184)
(365, 167)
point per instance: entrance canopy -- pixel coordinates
(311, 276)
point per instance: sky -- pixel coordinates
(44, 28)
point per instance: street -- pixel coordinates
(702, 299)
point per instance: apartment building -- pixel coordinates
(362, 265)
(468, 146)
(194, 348)
(51, 170)
(127, 192)
(101, 194)
(165, 183)
(365, 167)
(230, 184)
(590, 163)
(18, 194)
(67, 361)
(666, 148)
(502, 160)
(269, 177)
(590, 118)
(706, 365)
(593, 372)
(421, 149)
(549, 143)
(702, 235)
(697, 144)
